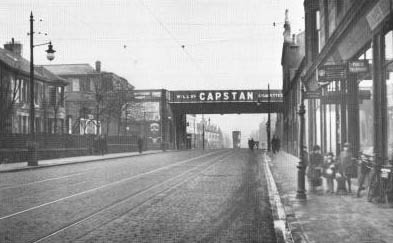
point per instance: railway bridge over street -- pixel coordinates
(172, 107)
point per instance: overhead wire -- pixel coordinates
(181, 45)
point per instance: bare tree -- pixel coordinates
(10, 85)
(55, 102)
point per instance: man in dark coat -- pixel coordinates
(345, 166)
(140, 144)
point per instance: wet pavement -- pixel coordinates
(18, 166)
(326, 217)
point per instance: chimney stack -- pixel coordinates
(98, 66)
(14, 47)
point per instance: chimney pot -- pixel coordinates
(14, 47)
(98, 66)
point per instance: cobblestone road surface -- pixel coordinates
(188, 196)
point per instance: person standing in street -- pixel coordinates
(329, 171)
(274, 144)
(315, 167)
(345, 166)
(140, 144)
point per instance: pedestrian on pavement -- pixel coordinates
(274, 143)
(329, 171)
(345, 168)
(315, 168)
(251, 144)
(140, 144)
(365, 168)
(103, 145)
(96, 144)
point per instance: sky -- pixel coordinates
(171, 44)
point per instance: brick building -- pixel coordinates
(89, 98)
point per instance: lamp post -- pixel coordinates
(203, 132)
(268, 118)
(301, 190)
(32, 145)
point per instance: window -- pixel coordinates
(85, 85)
(75, 84)
(25, 125)
(52, 95)
(318, 28)
(24, 91)
(69, 124)
(20, 126)
(15, 90)
(61, 96)
(38, 125)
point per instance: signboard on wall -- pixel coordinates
(223, 96)
(312, 94)
(358, 66)
(332, 72)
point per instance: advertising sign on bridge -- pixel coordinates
(216, 96)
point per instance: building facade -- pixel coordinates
(15, 95)
(94, 99)
(292, 62)
(348, 61)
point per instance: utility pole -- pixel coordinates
(32, 145)
(268, 119)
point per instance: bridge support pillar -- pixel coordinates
(180, 126)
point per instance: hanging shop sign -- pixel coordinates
(312, 94)
(358, 66)
(332, 72)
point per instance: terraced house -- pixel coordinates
(15, 95)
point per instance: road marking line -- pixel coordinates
(36, 182)
(106, 185)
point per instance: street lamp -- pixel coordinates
(301, 188)
(32, 145)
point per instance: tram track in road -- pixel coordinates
(160, 189)
(64, 176)
(113, 183)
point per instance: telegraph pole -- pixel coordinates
(268, 119)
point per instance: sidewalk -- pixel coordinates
(12, 167)
(328, 218)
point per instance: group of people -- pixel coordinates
(339, 169)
